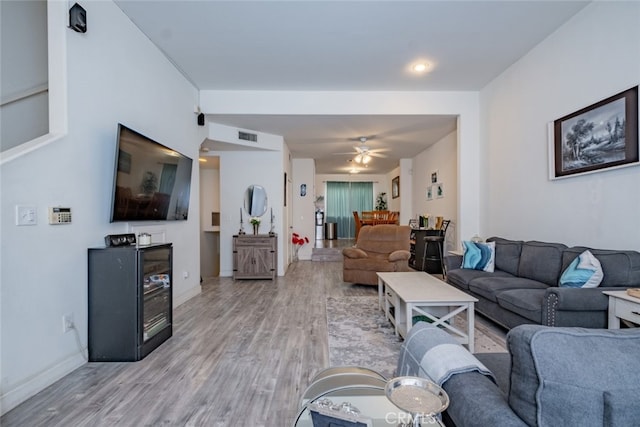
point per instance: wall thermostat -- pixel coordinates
(59, 216)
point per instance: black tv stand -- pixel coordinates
(130, 301)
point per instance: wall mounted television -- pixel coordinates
(151, 181)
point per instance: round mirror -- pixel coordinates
(255, 200)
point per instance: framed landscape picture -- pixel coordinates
(601, 136)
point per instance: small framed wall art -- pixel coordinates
(395, 187)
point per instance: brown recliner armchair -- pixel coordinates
(378, 248)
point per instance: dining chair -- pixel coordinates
(357, 222)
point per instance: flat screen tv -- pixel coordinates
(152, 182)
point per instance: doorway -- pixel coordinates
(209, 216)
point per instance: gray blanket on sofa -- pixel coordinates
(432, 353)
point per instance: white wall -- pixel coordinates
(303, 221)
(406, 190)
(393, 204)
(242, 164)
(440, 157)
(115, 75)
(595, 55)
(239, 170)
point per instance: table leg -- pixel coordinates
(409, 314)
(446, 321)
(470, 327)
(380, 292)
(613, 320)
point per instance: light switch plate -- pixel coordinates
(26, 215)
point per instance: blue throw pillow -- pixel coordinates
(479, 256)
(584, 272)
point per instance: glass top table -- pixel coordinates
(335, 392)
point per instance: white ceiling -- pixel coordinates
(351, 46)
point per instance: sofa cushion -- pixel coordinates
(507, 254)
(620, 268)
(384, 238)
(400, 255)
(461, 277)
(354, 253)
(479, 256)
(621, 407)
(592, 362)
(541, 261)
(374, 262)
(490, 287)
(524, 302)
(584, 271)
(500, 366)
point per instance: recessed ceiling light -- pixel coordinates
(421, 67)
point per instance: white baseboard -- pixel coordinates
(35, 384)
(186, 296)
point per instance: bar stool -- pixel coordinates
(438, 240)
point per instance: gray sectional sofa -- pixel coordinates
(523, 289)
(552, 377)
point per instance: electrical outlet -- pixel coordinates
(67, 323)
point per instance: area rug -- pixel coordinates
(359, 335)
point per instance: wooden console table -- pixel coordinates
(255, 256)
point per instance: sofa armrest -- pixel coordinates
(576, 299)
(399, 255)
(354, 253)
(476, 401)
(585, 308)
(452, 262)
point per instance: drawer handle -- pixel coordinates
(636, 313)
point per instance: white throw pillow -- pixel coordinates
(584, 272)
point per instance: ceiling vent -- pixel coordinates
(246, 136)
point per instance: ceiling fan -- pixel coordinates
(364, 153)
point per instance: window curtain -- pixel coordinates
(342, 199)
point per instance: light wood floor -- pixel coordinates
(241, 354)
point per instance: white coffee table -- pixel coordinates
(408, 294)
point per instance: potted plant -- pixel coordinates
(381, 202)
(255, 221)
